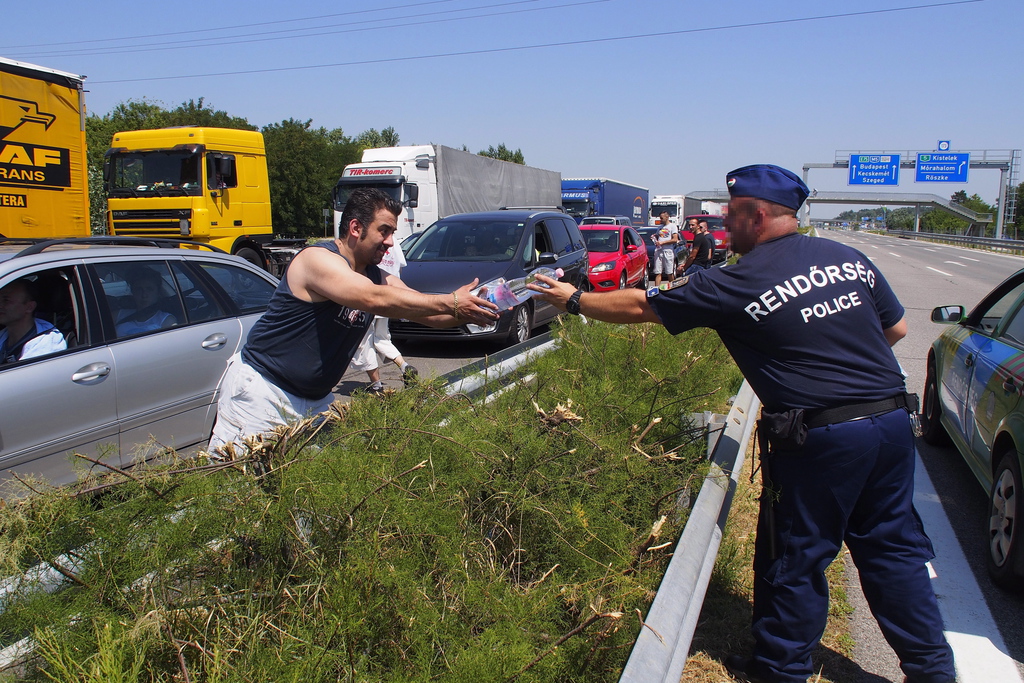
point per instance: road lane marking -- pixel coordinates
(939, 271)
(955, 263)
(892, 253)
(968, 258)
(978, 647)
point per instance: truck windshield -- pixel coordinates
(344, 190)
(576, 208)
(658, 209)
(462, 240)
(159, 172)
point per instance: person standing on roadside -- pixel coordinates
(810, 323)
(298, 350)
(377, 342)
(664, 251)
(702, 251)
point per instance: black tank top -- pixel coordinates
(303, 347)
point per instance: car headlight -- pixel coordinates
(600, 268)
(719, 242)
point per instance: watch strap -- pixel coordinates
(573, 304)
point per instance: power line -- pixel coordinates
(232, 28)
(309, 32)
(540, 46)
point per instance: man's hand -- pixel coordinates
(552, 291)
(473, 309)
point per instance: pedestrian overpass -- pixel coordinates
(917, 200)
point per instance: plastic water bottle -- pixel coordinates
(510, 293)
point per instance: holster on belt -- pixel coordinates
(784, 431)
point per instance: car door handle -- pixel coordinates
(91, 372)
(215, 341)
(969, 361)
(1009, 386)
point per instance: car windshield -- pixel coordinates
(602, 240)
(468, 240)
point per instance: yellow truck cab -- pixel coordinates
(209, 185)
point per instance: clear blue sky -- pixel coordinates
(668, 94)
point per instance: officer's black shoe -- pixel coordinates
(745, 669)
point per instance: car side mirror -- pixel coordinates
(630, 248)
(547, 258)
(948, 315)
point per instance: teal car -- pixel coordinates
(972, 397)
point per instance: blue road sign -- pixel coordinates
(874, 169)
(939, 167)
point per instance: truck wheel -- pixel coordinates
(252, 256)
(1006, 508)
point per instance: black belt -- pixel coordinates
(827, 416)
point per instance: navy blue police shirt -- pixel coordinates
(305, 347)
(803, 319)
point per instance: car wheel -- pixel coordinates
(622, 280)
(644, 282)
(1006, 508)
(250, 255)
(931, 426)
(522, 324)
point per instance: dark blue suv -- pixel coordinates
(489, 245)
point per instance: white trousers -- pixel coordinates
(250, 405)
(377, 342)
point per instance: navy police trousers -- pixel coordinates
(851, 482)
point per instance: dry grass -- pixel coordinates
(724, 626)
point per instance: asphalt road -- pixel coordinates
(924, 276)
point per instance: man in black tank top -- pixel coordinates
(298, 350)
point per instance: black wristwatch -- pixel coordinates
(573, 304)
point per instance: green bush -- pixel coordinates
(418, 536)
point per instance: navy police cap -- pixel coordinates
(768, 182)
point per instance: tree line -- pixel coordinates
(303, 162)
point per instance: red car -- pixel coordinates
(618, 257)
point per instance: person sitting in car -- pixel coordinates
(24, 335)
(146, 286)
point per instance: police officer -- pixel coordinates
(810, 323)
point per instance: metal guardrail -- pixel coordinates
(663, 645)
(1001, 245)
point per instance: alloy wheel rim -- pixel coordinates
(1002, 522)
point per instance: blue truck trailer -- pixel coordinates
(584, 197)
